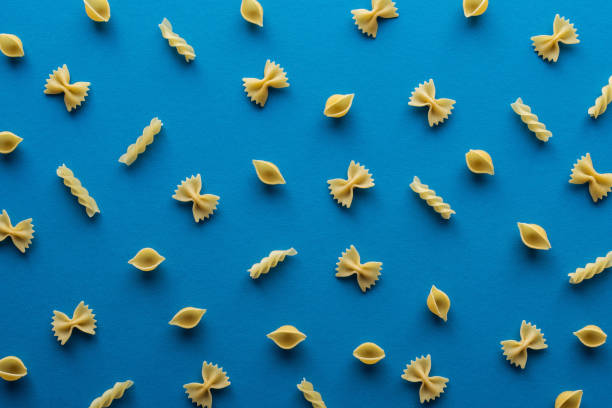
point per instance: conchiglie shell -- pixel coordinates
(8, 142)
(473, 8)
(268, 173)
(147, 259)
(369, 353)
(438, 303)
(252, 12)
(479, 161)
(338, 105)
(533, 236)
(591, 336)
(286, 337)
(187, 317)
(569, 399)
(12, 368)
(97, 10)
(11, 45)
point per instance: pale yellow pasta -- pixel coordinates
(59, 82)
(369, 353)
(252, 12)
(21, 234)
(591, 336)
(547, 46)
(531, 338)
(366, 20)
(268, 173)
(350, 264)
(310, 394)
(11, 45)
(8, 142)
(418, 371)
(203, 204)
(77, 190)
(12, 368)
(187, 317)
(357, 177)
(479, 161)
(583, 172)
(286, 337)
(270, 261)
(569, 399)
(106, 399)
(138, 147)
(257, 89)
(591, 269)
(82, 319)
(531, 120)
(431, 198)
(214, 378)
(425, 95)
(533, 236)
(147, 259)
(97, 10)
(602, 102)
(338, 105)
(438, 303)
(175, 41)
(473, 8)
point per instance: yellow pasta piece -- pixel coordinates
(366, 20)
(8, 142)
(147, 259)
(531, 120)
(479, 161)
(82, 319)
(357, 177)
(425, 95)
(531, 338)
(350, 264)
(187, 317)
(286, 337)
(77, 190)
(310, 394)
(569, 399)
(418, 371)
(203, 204)
(59, 82)
(21, 234)
(106, 399)
(533, 236)
(438, 303)
(431, 198)
(11, 45)
(97, 10)
(252, 12)
(473, 8)
(369, 353)
(270, 261)
(257, 89)
(591, 269)
(547, 46)
(268, 173)
(338, 105)
(591, 336)
(12, 368)
(147, 137)
(175, 41)
(214, 378)
(602, 102)
(583, 172)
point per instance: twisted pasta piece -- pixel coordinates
(175, 41)
(91, 207)
(82, 319)
(418, 371)
(310, 394)
(257, 89)
(531, 338)
(350, 264)
(583, 172)
(366, 19)
(106, 399)
(358, 177)
(431, 198)
(591, 269)
(602, 102)
(21, 234)
(142, 142)
(203, 204)
(59, 82)
(425, 95)
(547, 46)
(270, 261)
(531, 120)
(214, 378)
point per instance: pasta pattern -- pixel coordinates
(357, 177)
(531, 120)
(214, 378)
(418, 371)
(203, 204)
(591, 269)
(257, 89)
(531, 338)
(366, 20)
(106, 399)
(350, 264)
(425, 95)
(270, 261)
(77, 190)
(583, 172)
(431, 198)
(59, 82)
(11, 46)
(175, 41)
(310, 394)
(147, 137)
(602, 102)
(82, 319)
(21, 234)
(547, 46)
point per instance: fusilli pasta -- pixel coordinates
(174, 40)
(431, 198)
(270, 261)
(106, 399)
(602, 102)
(76, 189)
(310, 394)
(591, 269)
(531, 120)
(147, 137)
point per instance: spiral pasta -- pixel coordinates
(91, 207)
(602, 102)
(21, 234)
(176, 41)
(547, 46)
(431, 198)
(147, 137)
(591, 269)
(310, 394)
(106, 399)
(257, 89)
(531, 120)
(366, 20)
(270, 261)
(59, 82)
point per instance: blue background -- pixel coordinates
(210, 127)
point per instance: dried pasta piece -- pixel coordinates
(77, 190)
(59, 82)
(187, 317)
(438, 303)
(350, 264)
(531, 338)
(106, 399)
(97, 10)
(310, 394)
(252, 12)
(82, 319)
(591, 269)
(21, 234)
(533, 236)
(369, 353)
(214, 378)
(268, 173)
(602, 102)
(203, 204)
(286, 337)
(174, 40)
(547, 46)
(591, 336)
(479, 161)
(418, 371)
(431, 198)
(357, 177)
(338, 105)
(270, 261)
(257, 89)
(8, 142)
(138, 147)
(531, 120)
(366, 20)
(583, 172)
(425, 95)
(569, 399)
(147, 259)
(11, 45)
(473, 8)
(12, 368)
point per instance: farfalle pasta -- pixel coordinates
(350, 264)
(187, 317)
(214, 378)
(425, 95)
(357, 177)
(418, 371)
(569, 399)
(602, 101)
(8, 142)
(203, 204)
(11, 45)
(431, 198)
(286, 337)
(366, 20)
(77, 190)
(547, 46)
(310, 394)
(531, 120)
(59, 82)
(257, 89)
(147, 259)
(531, 338)
(175, 41)
(12, 368)
(97, 10)
(591, 269)
(116, 392)
(270, 261)
(21, 234)
(82, 319)
(583, 172)
(533, 236)
(138, 147)
(252, 12)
